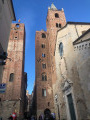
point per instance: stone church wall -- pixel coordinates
(66, 69)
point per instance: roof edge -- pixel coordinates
(78, 23)
(13, 10)
(84, 23)
(81, 36)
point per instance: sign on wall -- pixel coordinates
(2, 88)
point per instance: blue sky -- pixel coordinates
(33, 14)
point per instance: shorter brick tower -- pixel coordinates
(14, 77)
(44, 94)
(44, 60)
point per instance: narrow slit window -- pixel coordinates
(59, 25)
(61, 49)
(11, 78)
(43, 45)
(44, 92)
(56, 24)
(48, 103)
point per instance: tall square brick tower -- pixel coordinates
(44, 60)
(14, 76)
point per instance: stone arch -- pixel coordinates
(43, 35)
(47, 111)
(56, 15)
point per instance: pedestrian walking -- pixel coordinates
(40, 117)
(14, 116)
(53, 115)
(10, 118)
(32, 117)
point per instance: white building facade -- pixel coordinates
(6, 16)
(69, 93)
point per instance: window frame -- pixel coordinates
(43, 45)
(44, 65)
(17, 25)
(61, 49)
(56, 15)
(44, 93)
(57, 25)
(44, 77)
(11, 77)
(43, 35)
(43, 55)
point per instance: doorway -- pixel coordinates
(71, 107)
(47, 111)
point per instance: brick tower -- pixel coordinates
(13, 76)
(55, 21)
(44, 60)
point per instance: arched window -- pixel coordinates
(43, 35)
(58, 25)
(61, 49)
(11, 78)
(44, 77)
(17, 25)
(56, 15)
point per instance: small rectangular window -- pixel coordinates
(48, 103)
(59, 25)
(44, 92)
(44, 77)
(43, 55)
(15, 37)
(56, 24)
(43, 45)
(44, 66)
(11, 78)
